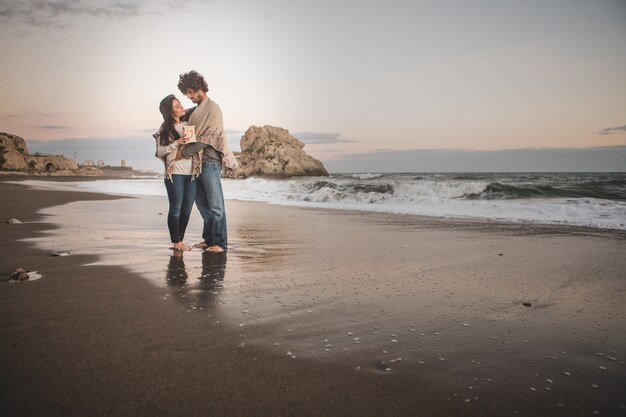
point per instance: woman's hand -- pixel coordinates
(183, 140)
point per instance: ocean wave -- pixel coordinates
(366, 176)
(581, 199)
(608, 190)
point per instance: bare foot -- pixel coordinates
(215, 249)
(201, 245)
(181, 246)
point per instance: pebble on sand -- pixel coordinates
(19, 275)
(14, 221)
(60, 253)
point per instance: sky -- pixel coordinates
(368, 86)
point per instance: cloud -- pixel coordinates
(50, 14)
(233, 132)
(137, 150)
(23, 115)
(613, 130)
(53, 127)
(596, 159)
(320, 137)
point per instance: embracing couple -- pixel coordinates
(192, 145)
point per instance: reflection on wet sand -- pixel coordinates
(259, 246)
(201, 293)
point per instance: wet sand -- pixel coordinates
(311, 312)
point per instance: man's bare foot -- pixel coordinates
(215, 249)
(181, 246)
(201, 245)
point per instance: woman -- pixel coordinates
(179, 176)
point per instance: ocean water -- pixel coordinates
(584, 199)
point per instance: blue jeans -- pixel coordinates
(181, 192)
(210, 203)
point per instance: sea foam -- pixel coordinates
(539, 198)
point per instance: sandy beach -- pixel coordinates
(311, 312)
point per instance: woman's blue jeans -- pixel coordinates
(210, 203)
(181, 192)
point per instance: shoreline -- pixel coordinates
(469, 223)
(146, 331)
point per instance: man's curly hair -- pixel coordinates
(192, 80)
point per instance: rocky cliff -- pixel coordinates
(270, 151)
(14, 156)
(12, 152)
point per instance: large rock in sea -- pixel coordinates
(14, 156)
(270, 151)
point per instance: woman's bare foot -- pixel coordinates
(181, 246)
(215, 249)
(201, 245)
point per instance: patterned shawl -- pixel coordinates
(207, 118)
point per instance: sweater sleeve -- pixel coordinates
(189, 150)
(163, 151)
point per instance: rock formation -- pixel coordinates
(272, 152)
(12, 152)
(14, 156)
(19, 275)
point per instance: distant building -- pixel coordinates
(100, 163)
(89, 163)
(123, 163)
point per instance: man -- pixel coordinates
(211, 142)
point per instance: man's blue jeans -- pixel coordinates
(181, 192)
(210, 203)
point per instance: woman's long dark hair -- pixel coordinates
(165, 107)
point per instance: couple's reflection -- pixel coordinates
(203, 292)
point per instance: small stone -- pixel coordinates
(14, 221)
(19, 275)
(526, 304)
(60, 253)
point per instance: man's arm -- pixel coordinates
(192, 148)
